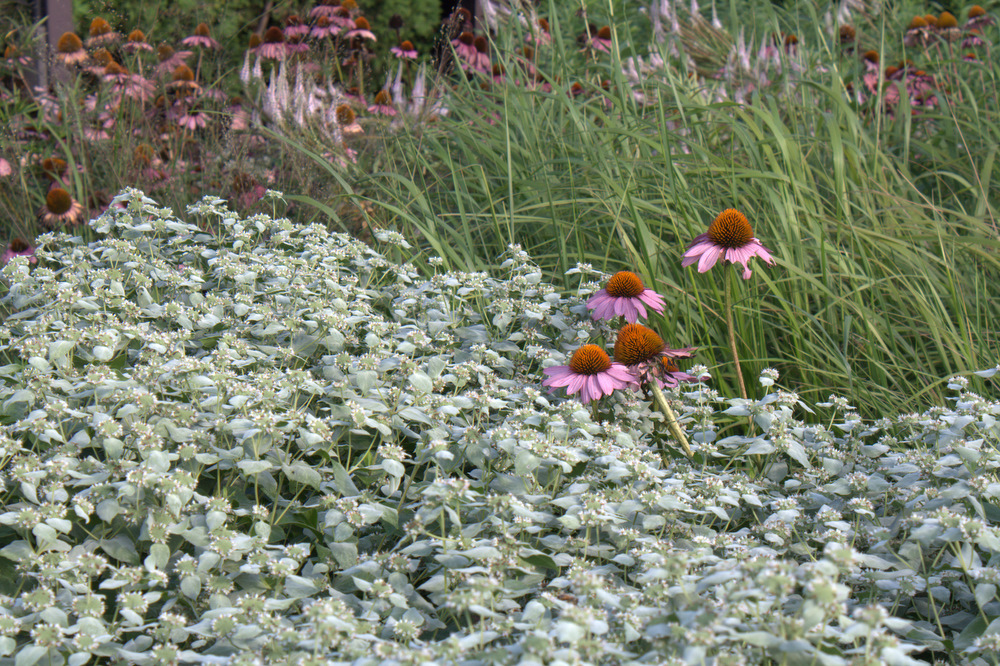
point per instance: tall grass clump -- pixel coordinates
(870, 182)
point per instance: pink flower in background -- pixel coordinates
(202, 38)
(18, 248)
(405, 50)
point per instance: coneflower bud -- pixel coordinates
(202, 30)
(395, 22)
(137, 36)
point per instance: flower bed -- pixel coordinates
(274, 443)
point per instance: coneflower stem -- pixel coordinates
(671, 418)
(732, 336)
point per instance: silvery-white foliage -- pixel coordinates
(234, 440)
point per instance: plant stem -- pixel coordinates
(732, 336)
(668, 413)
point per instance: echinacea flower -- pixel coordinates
(642, 350)
(325, 8)
(347, 120)
(202, 37)
(362, 30)
(273, 45)
(671, 375)
(69, 49)
(101, 33)
(590, 372)
(5, 168)
(294, 27)
(60, 209)
(947, 27)
(405, 50)
(730, 237)
(978, 18)
(169, 60)
(324, 28)
(136, 42)
(383, 104)
(624, 296)
(18, 248)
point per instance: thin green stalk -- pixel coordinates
(671, 418)
(732, 336)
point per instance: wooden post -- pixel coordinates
(58, 17)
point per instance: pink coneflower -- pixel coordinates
(202, 38)
(272, 47)
(18, 248)
(642, 351)
(5, 168)
(347, 120)
(671, 375)
(729, 237)
(325, 8)
(101, 33)
(13, 55)
(192, 119)
(973, 39)
(342, 16)
(601, 40)
(324, 28)
(60, 209)
(624, 296)
(383, 104)
(465, 46)
(405, 50)
(182, 80)
(294, 27)
(947, 27)
(480, 62)
(361, 30)
(541, 35)
(136, 42)
(297, 44)
(169, 60)
(69, 49)
(918, 33)
(590, 373)
(978, 18)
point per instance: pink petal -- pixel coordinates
(709, 258)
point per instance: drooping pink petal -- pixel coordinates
(708, 258)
